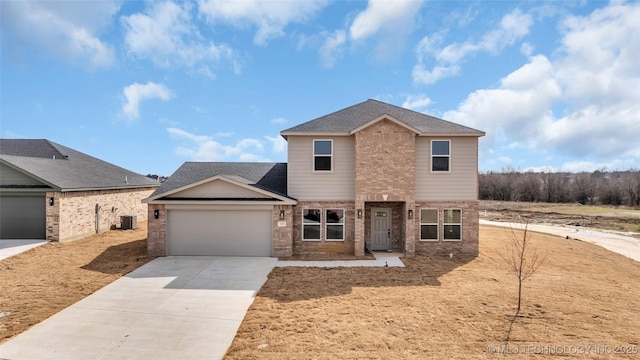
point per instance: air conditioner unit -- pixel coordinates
(128, 222)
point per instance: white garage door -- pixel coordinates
(221, 233)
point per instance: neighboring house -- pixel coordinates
(49, 191)
(372, 176)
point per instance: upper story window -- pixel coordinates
(440, 155)
(322, 155)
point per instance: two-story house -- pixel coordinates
(370, 177)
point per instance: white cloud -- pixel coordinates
(594, 82)
(418, 102)
(68, 29)
(206, 148)
(167, 37)
(423, 76)
(513, 27)
(270, 17)
(278, 144)
(331, 48)
(136, 93)
(279, 121)
(389, 21)
(383, 15)
(517, 109)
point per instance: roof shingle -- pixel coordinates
(271, 177)
(67, 169)
(348, 119)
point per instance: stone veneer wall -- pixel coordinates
(385, 171)
(470, 229)
(322, 247)
(157, 231)
(73, 215)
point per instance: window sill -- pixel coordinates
(312, 240)
(430, 240)
(335, 240)
(454, 240)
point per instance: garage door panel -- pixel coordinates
(22, 217)
(219, 233)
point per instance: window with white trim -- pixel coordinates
(311, 224)
(429, 224)
(322, 155)
(440, 155)
(334, 224)
(452, 223)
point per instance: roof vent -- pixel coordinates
(126, 179)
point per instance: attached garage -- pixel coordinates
(219, 232)
(22, 216)
(222, 209)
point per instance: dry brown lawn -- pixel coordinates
(42, 281)
(584, 302)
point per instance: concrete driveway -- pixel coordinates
(172, 308)
(10, 247)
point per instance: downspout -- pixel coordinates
(98, 207)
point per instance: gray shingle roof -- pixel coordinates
(66, 169)
(271, 177)
(346, 120)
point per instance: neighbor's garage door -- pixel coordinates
(22, 216)
(226, 233)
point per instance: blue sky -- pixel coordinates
(150, 85)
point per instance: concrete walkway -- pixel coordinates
(172, 308)
(13, 247)
(382, 259)
(625, 245)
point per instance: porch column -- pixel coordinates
(358, 241)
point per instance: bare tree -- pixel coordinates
(521, 256)
(554, 186)
(632, 186)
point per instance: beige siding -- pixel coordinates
(305, 184)
(460, 184)
(217, 189)
(11, 176)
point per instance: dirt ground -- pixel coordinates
(42, 281)
(584, 302)
(620, 219)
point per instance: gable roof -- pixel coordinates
(65, 169)
(271, 177)
(347, 120)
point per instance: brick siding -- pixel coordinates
(385, 172)
(306, 247)
(470, 228)
(73, 215)
(157, 230)
(282, 235)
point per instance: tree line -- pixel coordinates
(597, 187)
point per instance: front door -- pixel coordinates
(380, 229)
